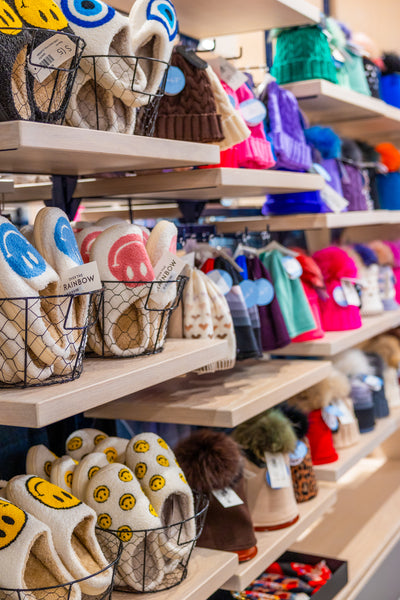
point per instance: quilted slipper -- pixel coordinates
(162, 480)
(72, 525)
(39, 460)
(116, 496)
(85, 470)
(121, 257)
(62, 472)
(154, 26)
(83, 441)
(29, 559)
(108, 37)
(114, 448)
(94, 107)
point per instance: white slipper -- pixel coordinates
(154, 26)
(72, 525)
(29, 559)
(62, 472)
(106, 222)
(27, 232)
(114, 448)
(39, 460)
(85, 238)
(85, 469)
(162, 480)
(122, 257)
(116, 496)
(83, 441)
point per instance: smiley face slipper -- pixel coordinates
(114, 448)
(72, 525)
(62, 472)
(29, 559)
(125, 268)
(83, 441)
(116, 496)
(84, 471)
(39, 460)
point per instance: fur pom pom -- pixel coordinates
(311, 271)
(389, 156)
(368, 256)
(325, 140)
(321, 394)
(210, 460)
(383, 252)
(388, 347)
(298, 419)
(351, 151)
(391, 62)
(271, 431)
(339, 385)
(335, 263)
(353, 362)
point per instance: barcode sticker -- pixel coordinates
(53, 53)
(277, 471)
(227, 497)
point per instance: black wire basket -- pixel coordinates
(72, 590)
(33, 85)
(157, 559)
(111, 93)
(133, 317)
(43, 338)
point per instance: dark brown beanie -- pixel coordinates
(190, 115)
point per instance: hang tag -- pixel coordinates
(175, 82)
(253, 111)
(350, 293)
(227, 497)
(330, 417)
(168, 268)
(345, 417)
(298, 454)
(232, 77)
(222, 280)
(250, 292)
(53, 52)
(292, 267)
(80, 279)
(334, 201)
(339, 297)
(266, 291)
(277, 471)
(192, 57)
(319, 170)
(373, 382)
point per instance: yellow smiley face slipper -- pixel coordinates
(88, 466)
(62, 472)
(28, 557)
(72, 526)
(114, 448)
(83, 441)
(39, 461)
(122, 507)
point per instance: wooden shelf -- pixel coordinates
(364, 525)
(52, 149)
(103, 380)
(271, 544)
(222, 399)
(203, 184)
(348, 457)
(350, 113)
(6, 186)
(336, 341)
(208, 18)
(208, 570)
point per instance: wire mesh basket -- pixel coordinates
(118, 93)
(71, 590)
(133, 317)
(42, 338)
(157, 559)
(39, 67)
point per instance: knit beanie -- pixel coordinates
(313, 285)
(192, 114)
(363, 403)
(368, 271)
(381, 406)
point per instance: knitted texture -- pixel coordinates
(192, 114)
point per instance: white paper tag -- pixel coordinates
(227, 497)
(232, 77)
(292, 267)
(53, 52)
(278, 474)
(168, 268)
(350, 293)
(80, 279)
(345, 418)
(253, 111)
(332, 199)
(373, 382)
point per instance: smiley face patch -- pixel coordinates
(125, 533)
(127, 501)
(44, 14)
(140, 470)
(141, 446)
(111, 454)
(163, 444)
(12, 522)
(101, 493)
(74, 443)
(99, 438)
(125, 475)
(9, 18)
(157, 482)
(104, 521)
(162, 460)
(50, 495)
(92, 471)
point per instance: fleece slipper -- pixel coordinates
(72, 525)
(62, 472)
(83, 441)
(154, 26)
(85, 469)
(116, 496)
(27, 232)
(29, 559)
(162, 480)
(114, 448)
(39, 461)
(85, 238)
(106, 222)
(121, 257)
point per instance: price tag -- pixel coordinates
(250, 292)
(277, 471)
(227, 497)
(222, 280)
(319, 169)
(232, 77)
(330, 416)
(339, 297)
(253, 111)
(350, 293)
(298, 454)
(175, 82)
(81, 279)
(373, 382)
(266, 292)
(292, 267)
(345, 417)
(53, 52)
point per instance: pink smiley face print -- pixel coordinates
(128, 261)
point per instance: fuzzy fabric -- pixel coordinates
(85, 470)
(321, 394)
(113, 447)
(39, 460)
(62, 472)
(353, 363)
(388, 347)
(297, 417)
(367, 254)
(325, 140)
(389, 156)
(83, 441)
